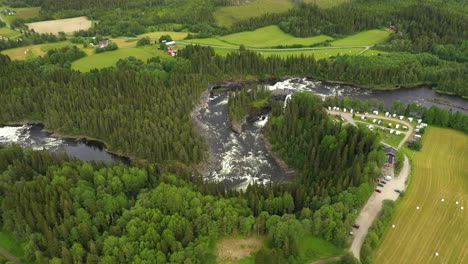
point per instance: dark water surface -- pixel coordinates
(33, 136)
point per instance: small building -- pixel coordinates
(351, 111)
(375, 112)
(397, 133)
(389, 125)
(401, 117)
(375, 120)
(170, 43)
(344, 110)
(394, 115)
(417, 136)
(390, 153)
(172, 52)
(103, 43)
(405, 127)
(419, 121)
(363, 118)
(392, 131)
(387, 114)
(397, 126)
(393, 28)
(417, 130)
(410, 119)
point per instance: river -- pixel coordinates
(235, 159)
(34, 136)
(239, 159)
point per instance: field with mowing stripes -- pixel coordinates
(439, 172)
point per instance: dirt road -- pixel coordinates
(373, 206)
(9, 256)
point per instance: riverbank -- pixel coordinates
(89, 141)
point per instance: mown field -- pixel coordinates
(264, 37)
(226, 16)
(110, 58)
(439, 172)
(67, 25)
(368, 37)
(25, 52)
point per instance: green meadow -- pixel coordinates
(8, 33)
(226, 16)
(364, 38)
(110, 58)
(24, 12)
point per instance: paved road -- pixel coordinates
(9, 256)
(373, 206)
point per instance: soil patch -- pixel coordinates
(68, 25)
(232, 249)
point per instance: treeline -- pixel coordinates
(377, 230)
(403, 69)
(30, 38)
(331, 158)
(246, 100)
(72, 212)
(138, 109)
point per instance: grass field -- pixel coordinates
(110, 58)
(26, 12)
(10, 244)
(313, 248)
(25, 52)
(326, 3)
(67, 25)
(156, 35)
(439, 172)
(226, 16)
(8, 33)
(368, 37)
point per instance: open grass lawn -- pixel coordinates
(26, 12)
(8, 33)
(439, 172)
(157, 34)
(110, 58)
(226, 16)
(313, 248)
(269, 37)
(368, 37)
(25, 52)
(10, 244)
(212, 41)
(326, 3)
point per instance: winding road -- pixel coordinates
(371, 209)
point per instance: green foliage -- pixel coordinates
(247, 100)
(109, 47)
(144, 42)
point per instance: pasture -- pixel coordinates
(68, 25)
(24, 12)
(8, 33)
(226, 16)
(364, 38)
(157, 34)
(110, 58)
(438, 226)
(25, 52)
(326, 3)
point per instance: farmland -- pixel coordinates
(368, 37)
(226, 16)
(24, 12)
(8, 33)
(157, 34)
(67, 25)
(25, 52)
(107, 59)
(439, 226)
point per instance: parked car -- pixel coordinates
(398, 190)
(378, 190)
(356, 226)
(381, 185)
(383, 182)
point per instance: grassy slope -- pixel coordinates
(439, 172)
(6, 32)
(226, 16)
(367, 37)
(26, 12)
(25, 52)
(10, 244)
(314, 248)
(270, 36)
(156, 35)
(110, 58)
(326, 3)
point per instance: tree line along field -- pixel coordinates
(271, 36)
(439, 172)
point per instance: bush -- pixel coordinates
(144, 42)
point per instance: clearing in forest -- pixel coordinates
(226, 16)
(8, 33)
(25, 52)
(67, 25)
(23, 12)
(364, 38)
(437, 232)
(231, 250)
